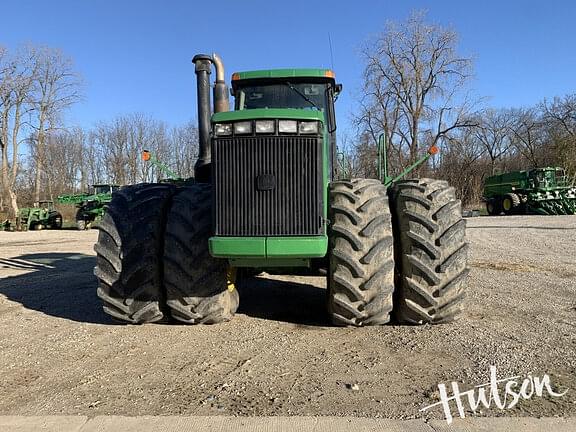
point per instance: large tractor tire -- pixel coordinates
(493, 206)
(431, 252)
(510, 203)
(199, 288)
(56, 221)
(129, 253)
(361, 270)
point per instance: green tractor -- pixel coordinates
(42, 215)
(266, 195)
(91, 205)
(543, 191)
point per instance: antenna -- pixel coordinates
(331, 53)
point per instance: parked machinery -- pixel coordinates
(543, 191)
(41, 215)
(91, 205)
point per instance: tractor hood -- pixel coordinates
(268, 113)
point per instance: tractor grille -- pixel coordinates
(267, 185)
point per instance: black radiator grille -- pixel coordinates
(267, 185)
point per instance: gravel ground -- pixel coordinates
(59, 354)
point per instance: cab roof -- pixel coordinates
(283, 73)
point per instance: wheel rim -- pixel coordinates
(507, 204)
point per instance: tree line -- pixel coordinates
(41, 157)
(416, 93)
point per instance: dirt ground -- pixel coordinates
(60, 354)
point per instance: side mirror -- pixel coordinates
(330, 110)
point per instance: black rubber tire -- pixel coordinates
(494, 206)
(129, 253)
(196, 284)
(361, 270)
(56, 222)
(514, 203)
(431, 252)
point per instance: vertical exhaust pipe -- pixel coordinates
(203, 65)
(221, 98)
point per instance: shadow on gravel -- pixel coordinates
(291, 302)
(60, 284)
(521, 227)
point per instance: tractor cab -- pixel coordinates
(46, 205)
(547, 178)
(104, 189)
(305, 89)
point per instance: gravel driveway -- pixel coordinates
(59, 353)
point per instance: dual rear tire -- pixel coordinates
(409, 263)
(152, 257)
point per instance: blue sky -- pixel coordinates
(135, 56)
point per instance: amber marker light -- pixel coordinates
(433, 150)
(145, 155)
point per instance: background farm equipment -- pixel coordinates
(91, 205)
(543, 191)
(170, 176)
(42, 215)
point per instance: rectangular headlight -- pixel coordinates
(222, 129)
(287, 126)
(264, 126)
(308, 127)
(244, 127)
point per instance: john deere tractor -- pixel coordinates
(41, 215)
(543, 191)
(267, 196)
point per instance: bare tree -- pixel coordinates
(462, 164)
(183, 147)
(493, 132)
(560, 120)
(17, 74)
(57, 87)
(529, 135)
(414, 84)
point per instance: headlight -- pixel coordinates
(221, 129)
(308, 127)
(244, 127)
(264, 126)
(287, 126)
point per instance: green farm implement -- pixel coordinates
(91, 205)
(42, 215)
(267, 195)
(170, 176)
(543, 191)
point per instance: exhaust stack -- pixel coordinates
(203, 64)
(221, 98)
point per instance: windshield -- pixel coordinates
(285, 94)
(101, 189)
